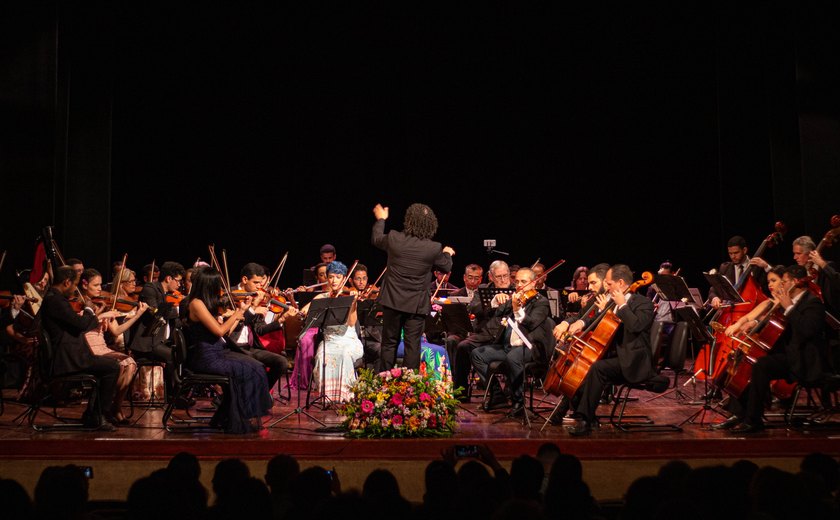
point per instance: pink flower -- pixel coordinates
(397, 419)
(424, 397)
(397, 399)
(367, 406)
(396, 372)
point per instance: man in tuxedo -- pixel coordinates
(633, 362)
(150, 333)
(488, 327)
(472, 279)
(405, 297)
(526, 336)
(799, 354)
(246, 336)
(65, 330)
(737, 268)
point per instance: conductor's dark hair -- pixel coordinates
(420, 221)
(63, 273)
(737, 241)
(622, 272)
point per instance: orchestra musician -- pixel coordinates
(248, 398)
(371, 335)
(472, 279)
(488, 328)
(532, 319)
(66, 329)
(245, 336)
(405, 297)
(91, 287)
(632, 346)
(539, 269)
(736, 268)
(441, 285)
(798, 355)
(340, 344)
(148, 337)
(306, 344)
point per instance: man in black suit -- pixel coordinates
(738, 267)
(65, 330)
(405, 297)
(149, 334)
(488, 327)
(632, 345)
(531, 320)
(246, 336)
(799, 354)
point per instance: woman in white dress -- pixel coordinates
(340, 343)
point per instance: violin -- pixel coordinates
(174, 297)
(371, 293)
(239, 295)
(525, 296)
(6, 298)
(119, 304)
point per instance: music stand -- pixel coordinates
(698, 331)
(723, 288)
(488, 293)
(302, 298)
(323, 312)
(456, 319)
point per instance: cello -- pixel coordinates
(752, 295)
(566, 374)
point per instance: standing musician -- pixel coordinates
(632, 344)
(737, 267)
(532, 319)
(245, 336)
(405, 297)
(799, 354)
(65, 330)
(148, 341)
(488, 327)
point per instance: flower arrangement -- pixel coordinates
(400, 403)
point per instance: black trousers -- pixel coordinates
(106, 370)
(394, 322)
(516, 358)
(602, 373)
(277, 364)
(750, 405)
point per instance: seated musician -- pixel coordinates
(441, 285)
(488, 327)
(751, 319)
(575, 323)
(148, 336)
(472, 279)
(91, 287)
(150, 275)
(532, 321)
(736, 268)
(798, 355)
(632, 345)
(539, 269)
(66, 329)
(246, 335)
(371, 334)
(340, 345)
(306, 344)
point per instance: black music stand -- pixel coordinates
(724, 288)
(486, 294)
(456, 319)
(323, 312)
(302, 298)
(698, 332)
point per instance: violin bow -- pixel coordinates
(212, 249)
(2, 260)
(440, 284)
(535, 263)
(275, 277)
(116, 290)
(347, 277)
(376, 281)
(152, 272)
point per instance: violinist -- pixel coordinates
(91, 287)
(66, 330)
(405, 297)
(248, 398)
(371, 335)
(737, 267)
(150, 333)
(341, 344)
(632, 346)
(76, 264)
(306, 344)
(527, 336)
(539, 269)
(798, 355)
(149, 275)
(488, 326)
(441, 280)
(246, 336)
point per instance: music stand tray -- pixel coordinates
(672, 288)
(488, 293)
(723, 288)
(370, 313)
(456, 319)
(302, 298)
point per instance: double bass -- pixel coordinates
(567, 372)
(752, 295)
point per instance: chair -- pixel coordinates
(47, 391)
(657, 384)
(679, 340)
(142, 363)
(825, 386)
(185, 381)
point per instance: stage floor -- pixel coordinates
(611, 459)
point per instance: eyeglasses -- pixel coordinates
(131, 281)
(502, 276)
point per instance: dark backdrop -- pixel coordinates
(626, 135)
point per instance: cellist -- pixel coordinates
(798, 355)
(632, 345)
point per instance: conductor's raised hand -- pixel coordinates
(380, 213)
(449, 250)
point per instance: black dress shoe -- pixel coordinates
(748, 428)
(580, 428)
(727, 424)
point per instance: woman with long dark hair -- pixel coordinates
(248, 399)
